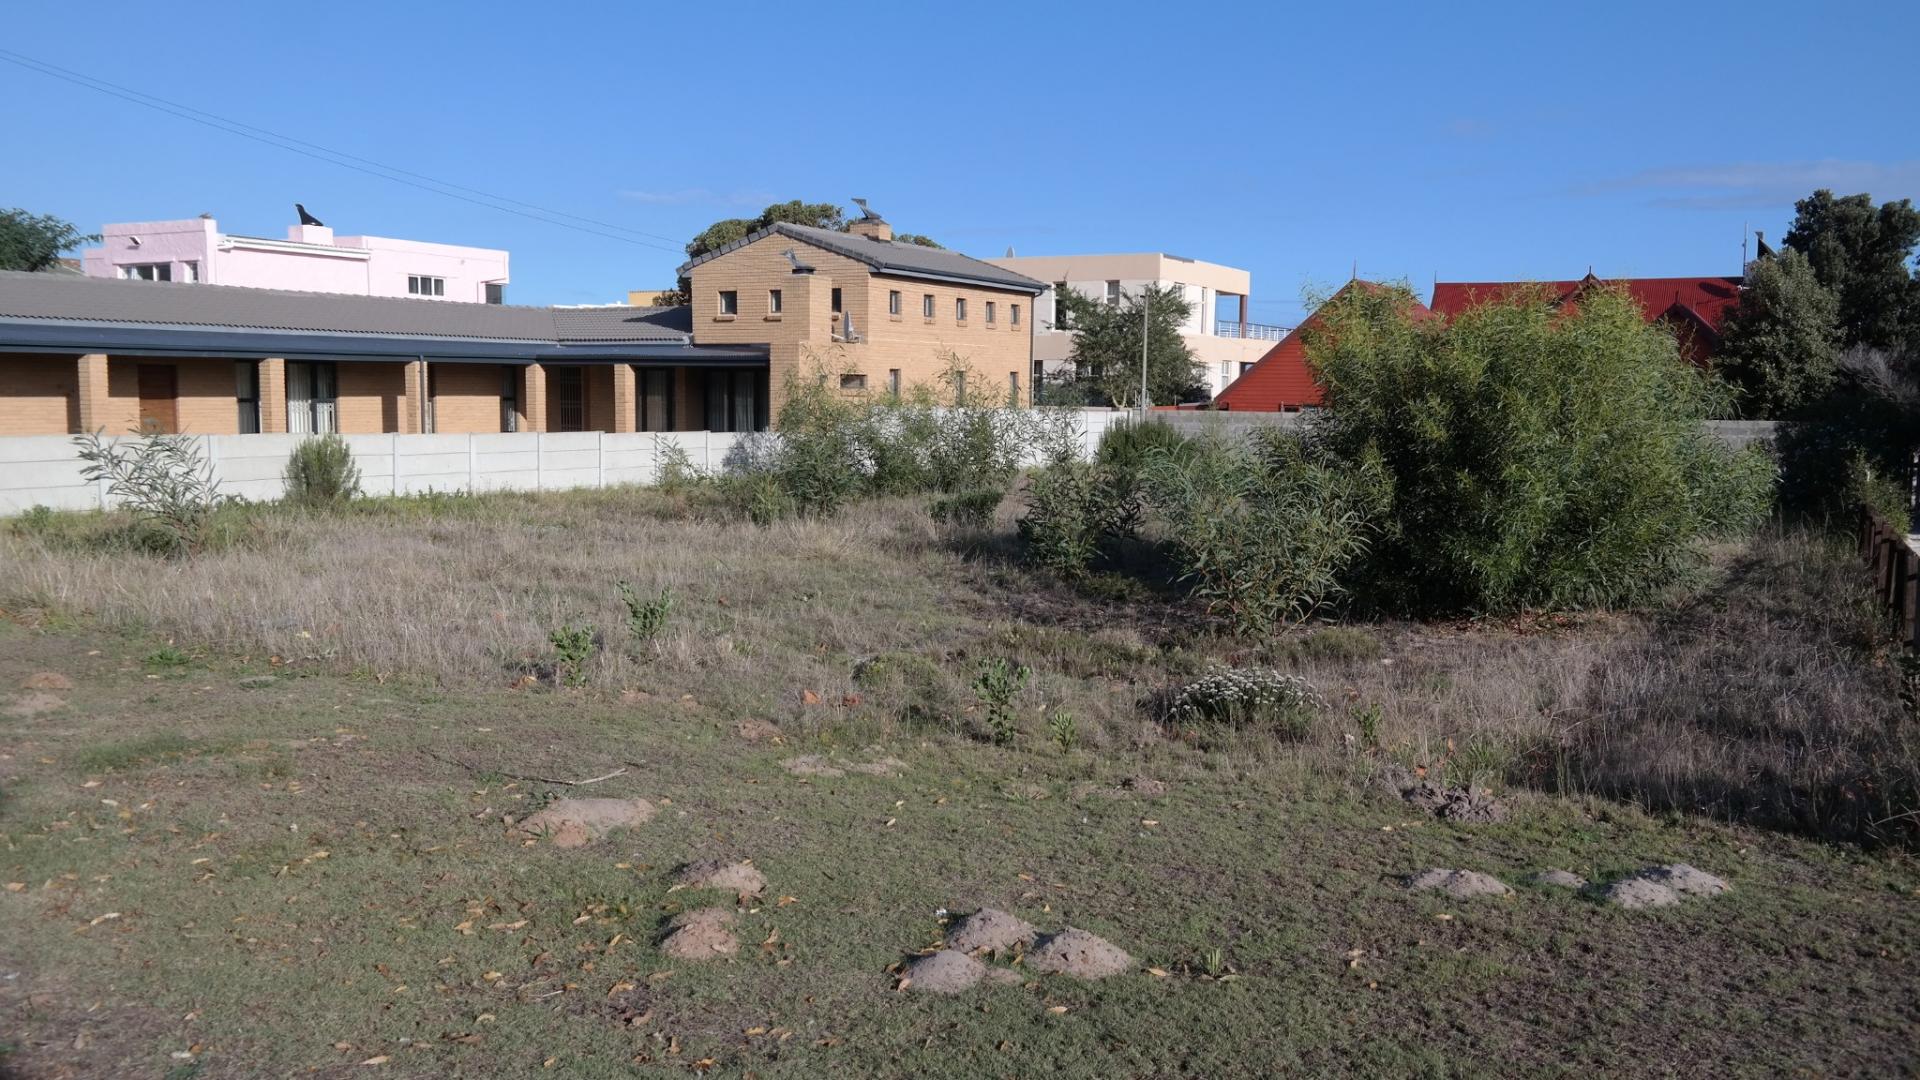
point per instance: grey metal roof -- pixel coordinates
(890, 257)
(179, 304)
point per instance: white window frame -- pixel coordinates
(729, 302)
(154, 271)
(774, 301)
(426, 285)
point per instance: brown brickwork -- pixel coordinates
(533, 398)
(466, 398)
(39, 395)
(273, 395)
(626, 414)
(371, 397)
(204, 401)
(91, 403)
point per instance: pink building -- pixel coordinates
(310, 259)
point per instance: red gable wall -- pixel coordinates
(1693, 306)
(1281, 379)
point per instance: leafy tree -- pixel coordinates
(1106, 349)
(1861, 252)
(916, 238)
(792, 212)
(34, 243)
(1532, 457)
(1781, 344)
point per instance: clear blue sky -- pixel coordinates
(1464, 140)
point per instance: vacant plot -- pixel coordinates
(261, 819)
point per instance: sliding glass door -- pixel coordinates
(312, 399)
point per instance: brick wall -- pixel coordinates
(371, 397)
(466, 398)
(39, 395)
(204, 401)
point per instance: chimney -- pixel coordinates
(874, 228)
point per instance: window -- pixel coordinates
(566, 398)
(736, 400)
(311, 405)
(926, 305)
(148, 272)
(656, 399)
(1013, 388)
(853, 381)
(1013, 314)
(246, 392)
(1113, 293)
(496, 292)
(960, 309)
(836, 301)
(422, 285)
(893, 302)
(729, 302)
(959, 388)
(773, 301)
(190, 271)
(990, 312)
(509, 398)
(1060, 318)
(893, 381)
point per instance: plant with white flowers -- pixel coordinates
(1247, 698)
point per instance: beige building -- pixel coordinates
(1218, 331)
(874, 314)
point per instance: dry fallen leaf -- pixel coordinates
(782, 902)
(377, 1059)
(1056, 1009)
(1157, 972)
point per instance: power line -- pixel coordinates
(370, 167)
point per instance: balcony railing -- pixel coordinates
(1260, 331)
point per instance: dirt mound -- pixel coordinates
(818, 765)
(734, 877)
(701, 934)
(1560, 879)
(33, 703)
(1455, 803)
(1025, 791)
(756, 731)
(46, 680)
(944, 972)
(886, 766)
(1459, 884)
(1145, 787)
(990, 929)
(1079, 954)
(572, 823)
(1663, 886)
(1634, 893)
(1684, 879)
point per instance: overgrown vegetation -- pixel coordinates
(165, 482)
(1261, 699)
(321, 472)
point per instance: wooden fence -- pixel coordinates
(1896, 572)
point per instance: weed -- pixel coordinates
(1367, 719)
(967, 509)
(998, 683)
(321, 472)
(1259, 698)
(165, 481)
(573, 646)
(166, 658)
(1064, 728)
(646, 616)
(1339, 643)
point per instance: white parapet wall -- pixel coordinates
(45, 470)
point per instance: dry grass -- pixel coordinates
(1767, 696)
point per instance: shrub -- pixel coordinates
(1064, 728)
(573, 645)
(164, 481)
(1130, 446)
(1062, 527)
(321, 472)
(968, 509)
(646, 616)
(1264, 530)
(1340, 643)
(1874, 489)
(1000, 681)
(1247, 698)
(1535, 454)
(758, 496)
(676, 473)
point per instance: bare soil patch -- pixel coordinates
(572, 823)
(735, 877)
(46, 680)
(1078, 953)
(701, 934)
(1461, 884)
(992, 930)
(945, 972)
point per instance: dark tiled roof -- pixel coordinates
(890, 257)
(178, 304)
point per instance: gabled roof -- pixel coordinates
(1282, 378)
(1705, 299)
(890, 258)
(59, 312)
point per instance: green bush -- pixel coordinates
(321, 472)
(573, 645)
(967, 509)
(646, 615)
(998, 683)
(1822, 450)
(1265, 530)
(1062, 528)
(1883, 494)
(1248, 698)
(1130, 446)
(164, 481)
(1534, 455)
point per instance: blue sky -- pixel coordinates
(1468, 141)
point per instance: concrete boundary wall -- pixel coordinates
(45, 470)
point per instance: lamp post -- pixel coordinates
(1146, 301)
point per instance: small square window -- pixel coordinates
(1113, 293)
(1013, 314)
(773, 301)
(836, 301)
(893, 381)
(853, 381)
(893, 301)
(991, 306)
(729, 302)
(926, 305)
(960, 308)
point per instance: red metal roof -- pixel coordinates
(1281, 379)
(1695, 306)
